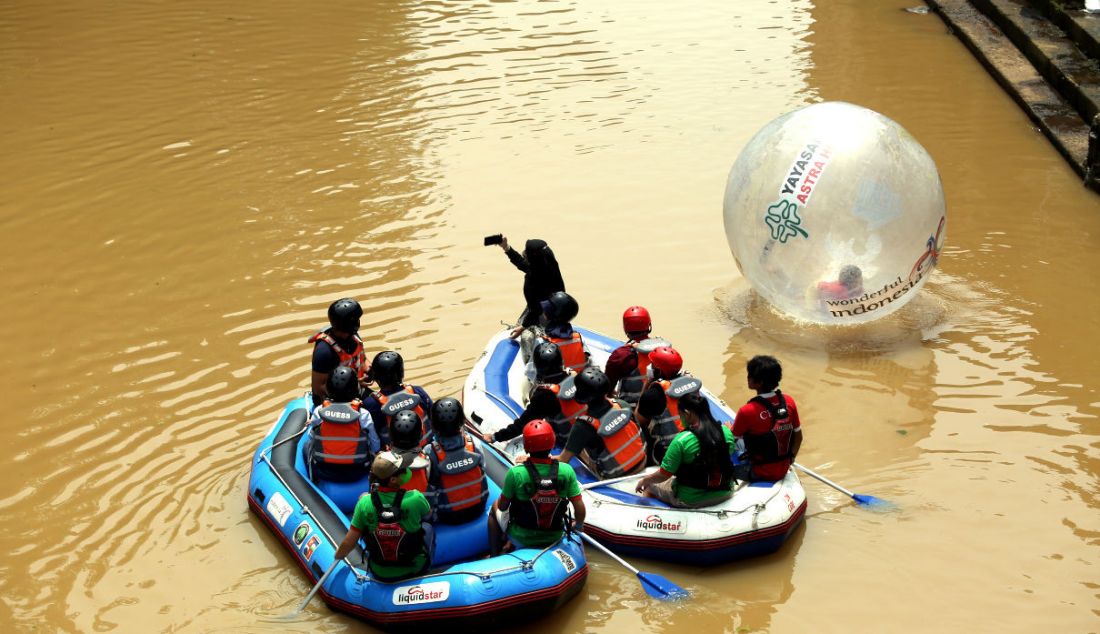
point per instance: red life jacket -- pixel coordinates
(546, 508)
(458, 477)
(338, 437)
(388, 542)
(356, 359)
(623, 446)
(773, 445)
(572, 350)
(570, 409)
(666, 425)
(631, 385)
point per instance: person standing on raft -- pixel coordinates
(541, 279)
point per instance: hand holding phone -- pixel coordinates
(494, 239)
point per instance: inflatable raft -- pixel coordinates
(758, 519)
(462, 590)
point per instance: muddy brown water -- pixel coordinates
(187, 185)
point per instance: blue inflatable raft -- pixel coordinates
(462, 589)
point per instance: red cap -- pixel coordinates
(667, 361)
(636, 319)
(538, 435)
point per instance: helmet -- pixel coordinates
(406, 429)
(388, 368)
(538, 435)
(562, 307)
(547, 360)
(592, 385)
(636, 319)
(447, 416)
(344, 314)
(667, 361)
(343, 384)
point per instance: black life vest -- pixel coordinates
(546, 508)
(714, 477)
(389, 543)
(773, 445)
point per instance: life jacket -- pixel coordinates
(546, 508)
(666, 425)
(399, 401)
(572, 350)
(630, 386)
(773, 445)
(570, 409)
(624, 448)
(458, 477)
(716, 477)
(389, 543)
(338, 438)
(837, 291)
(355, 359)
(419, 470)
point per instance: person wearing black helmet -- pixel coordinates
(560, 310)
(457, 487)
(406, 436)
(393, 395)
(337, 345)
(551, 399)
(606, 438)
(340, 439)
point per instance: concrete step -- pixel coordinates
(1082, 27)
(1056, 56)
(1057, 118)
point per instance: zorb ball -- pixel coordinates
(835, 214)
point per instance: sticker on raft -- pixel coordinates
(311, 545)
(422, 593)
(300, 533)
(796, 189)
(566, 560)
(654, 524)
(279, 508)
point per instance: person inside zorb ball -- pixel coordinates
(835, 214)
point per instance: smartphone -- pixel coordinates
(494, 239)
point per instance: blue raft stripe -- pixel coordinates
(496, 375)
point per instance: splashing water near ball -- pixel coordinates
(835, 214)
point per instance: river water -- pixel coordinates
(187, 185)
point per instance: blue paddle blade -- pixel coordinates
(658, 587)
(870, 500)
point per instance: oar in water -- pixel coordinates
(312, 592)
(864, 500)
(654, 585)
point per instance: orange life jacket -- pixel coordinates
(419, 479)
(570, 409)
(338, 437)
(458, 477)
(572, 351)
(624, 448)
(356, 359)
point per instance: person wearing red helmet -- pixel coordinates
(627, 365)
(658, 409)
(768, 424)
(532, 503)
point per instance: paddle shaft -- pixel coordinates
(826, 481)
(600, 483)
(317, 587)
(610, 554)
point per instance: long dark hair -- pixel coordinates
(712, 442)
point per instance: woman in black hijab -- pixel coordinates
(542, 278)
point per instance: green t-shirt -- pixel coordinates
(683, 450)
(518, 484)
(365, 518)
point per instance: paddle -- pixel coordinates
(654, 585)
(864, 500)
(312, 592)
(600, 483)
